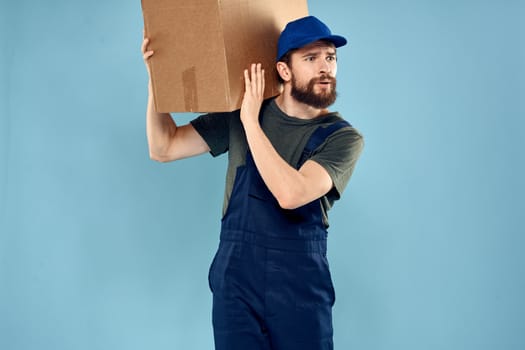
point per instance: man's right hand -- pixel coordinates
(166, 140)
(146, 54)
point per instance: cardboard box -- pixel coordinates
(203, 46)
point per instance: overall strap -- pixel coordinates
(318, 137)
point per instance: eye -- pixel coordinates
(309, 58)
(331, 58)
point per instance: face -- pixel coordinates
(313, 69)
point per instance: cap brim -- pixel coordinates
(337, 40)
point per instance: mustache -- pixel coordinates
(324, 78)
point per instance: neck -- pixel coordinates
(292, 107)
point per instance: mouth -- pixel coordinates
(324, 84)
(324, 80)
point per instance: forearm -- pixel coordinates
(292, 188)
(288, 185)
(160, 129)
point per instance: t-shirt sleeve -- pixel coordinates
(339, 155)
(214, 128)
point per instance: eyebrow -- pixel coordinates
(317, 53)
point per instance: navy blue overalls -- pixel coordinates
(270, 280)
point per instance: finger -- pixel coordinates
(263, 83)
(145, 43)
(259, 79)
(247, 82)
(254, 78)
(148, 54)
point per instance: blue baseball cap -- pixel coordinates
(304, 31)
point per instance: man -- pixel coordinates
(289, 160)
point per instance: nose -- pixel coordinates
(325, 67)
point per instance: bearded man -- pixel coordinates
(290, 159)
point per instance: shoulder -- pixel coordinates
(344, 129)
(352, 135)
(344, 143)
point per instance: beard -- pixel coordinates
(307, 95)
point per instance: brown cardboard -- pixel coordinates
(203, 46)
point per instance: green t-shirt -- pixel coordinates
(223, 132)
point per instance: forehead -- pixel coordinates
(320, 45)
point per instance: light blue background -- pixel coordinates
(102, 248)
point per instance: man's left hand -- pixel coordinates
(253, 95)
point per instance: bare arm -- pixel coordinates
(292, 188)
(166, 140)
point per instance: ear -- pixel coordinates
(284, 71)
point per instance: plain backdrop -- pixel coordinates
(102, 248)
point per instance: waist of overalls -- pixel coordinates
(312, 243)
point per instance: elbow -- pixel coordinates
(157, 157)
(288, 206)
(289, 202)
(292, 196)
